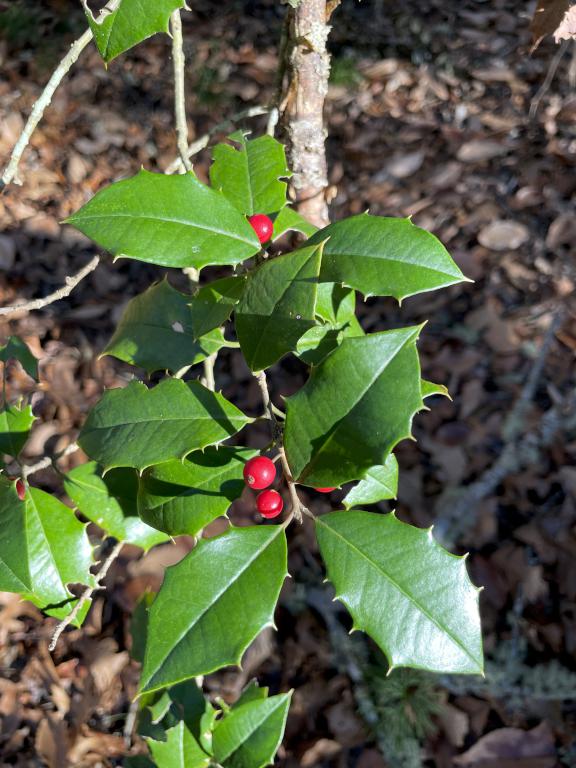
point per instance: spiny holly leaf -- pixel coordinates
(248, 736)
(278, 306)
(336, 307)
(213, 603)
(355, 407)
(289, 220)
(382, 256)
(174, 221)
(15, 426)
(182, 497)
(15, 349)
(132, 22)
(249, 176)
(15, 573)
(401, 587)
(110, 501)
(156, 332)
(59, 552)
(213, 304)
(180, 750)
(378, 484)
(138, 427)
(429, 389)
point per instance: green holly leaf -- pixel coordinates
(403, 589)
(15, 349)
(378, 484)
(182, 497)
(250, 175)
(15, 424)
(289, 220)
(248, 736)
(382, 256)
(355, 407)
(157, 333)
(213, 603)
(59, 553)
(174, 221)
(212, 305)
(252, 692)
(138, 427)
(336, 308)
(132, 22)
(110, 501)
(15, 573)
(429, 389)
(180, 750)
(278, 306)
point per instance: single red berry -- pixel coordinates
(324, 490)
(259, 472)
(269, 504)
(20, 489)
(262, 225)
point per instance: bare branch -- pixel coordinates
(48, 461)
(86, 595)
(309, 70)
(9, 173)
(61, 293)
(298, 509)
(227, 125)
(179, 63)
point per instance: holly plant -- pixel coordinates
(170, 456)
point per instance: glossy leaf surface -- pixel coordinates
(15, 573)
(289, 220)
(110, 501)
(182, 497)
(212, 305)
(15, 424)
(156, 332)
(378, 484)
(355, 407)
(16, 349)
(180, 750)
(213, 603)
(409, 594)
(59, 553)
(249, 735)
(137, 427)
(250, 175)
(382, 256)
(278, 306)
(174, 221)
(132, 22)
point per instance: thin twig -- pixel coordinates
(298, 509)
(86, 595)
(9, 173)
(61, 293)
(48, 461)
(202, 142)
(550, 75)
(179, 63)
(208, 378)
(266, 401)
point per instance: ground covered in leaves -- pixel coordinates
(434, 111)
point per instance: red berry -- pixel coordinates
(20, 489)
(262, 225)
(269, 503)
(259, 472)
(324, 490)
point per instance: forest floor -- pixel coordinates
(433, 112)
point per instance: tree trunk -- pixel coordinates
(309, 67)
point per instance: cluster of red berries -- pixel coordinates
(260, 473)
